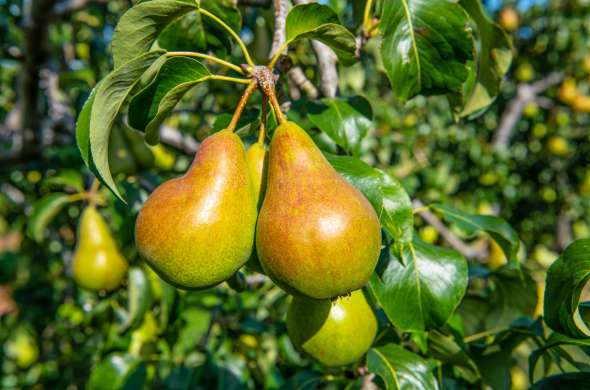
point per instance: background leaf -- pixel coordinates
(426, 46)
(117, 371)
(139, 27)
(320, 22)
(43, 213)
(496, 227)
(346, 121)
(493, 61)
(565, 281)
(149, 107)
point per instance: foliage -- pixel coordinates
(421, 101)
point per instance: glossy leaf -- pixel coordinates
(109, 98)
(152, 104)
(43, 213)
(496, 227)
(139, 27)
(117, 371)
(400, 368)
(565, 281)
(554, 341)
(346, 121)
(570, 380)
(493, 61)
(139, 298)
(386, 194)
(419, 286)
(426, 47)
(320, 22)
(83, 128)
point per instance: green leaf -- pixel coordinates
(570, 380)
(320, 22)
(555, 340)
(426, 47)
(386, 194)
(139, 27)
(117, 371)
(43, 213)
(194, 32)
(83, 128)
(151, 105)
(109, 98)
(495, 307)
(448, 351)
(400, 368)
(139, 298)
(420, 286)
(346, 121)
(565, 281)
(496, 227)
(66, 178)
(493, 61)
(304, 380)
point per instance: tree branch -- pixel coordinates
(448, 235)
(525, 93)
(280, 7)
(69, 7)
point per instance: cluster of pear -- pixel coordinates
(314, 235)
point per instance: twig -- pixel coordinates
(525, 93)
(241, 104)
(278, 39)
(301, 82)
(449, 236)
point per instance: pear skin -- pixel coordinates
(333, 333)
(197, 230)
(97, 263)
(316, 234)
(257, 158)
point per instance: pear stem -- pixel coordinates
(241, 105)
(264, 114)
(227, 78)
(207, 57)
(231, 32)
(277, 108)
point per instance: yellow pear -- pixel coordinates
(197, 230)
(97, 263)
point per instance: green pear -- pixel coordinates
(197, 230)
(97, 263)
(257, 158)
(316, 234)
(333, 333)
(22, 348)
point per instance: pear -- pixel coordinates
(256, 156)
(333, 333)
(97, 263)
(197, 230)
(316, 234)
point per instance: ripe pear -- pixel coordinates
(333, 333)
(316, 234)
(197, 230)
(97, 263)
